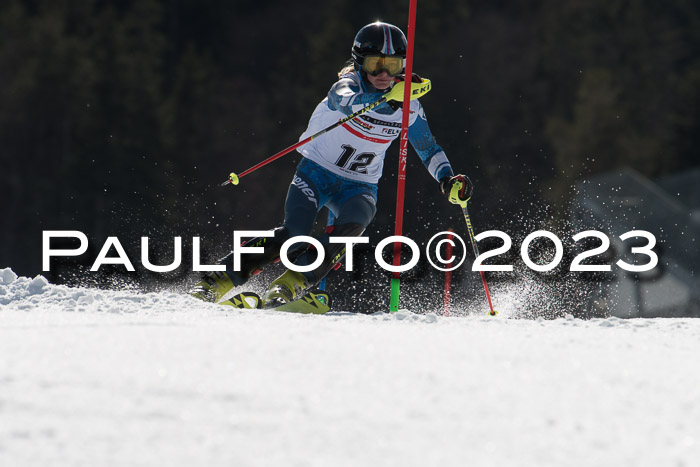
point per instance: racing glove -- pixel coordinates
(457, 189)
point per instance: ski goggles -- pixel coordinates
(374, 64)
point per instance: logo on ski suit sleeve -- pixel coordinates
(306, 189)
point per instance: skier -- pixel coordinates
(341, 169)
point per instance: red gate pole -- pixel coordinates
(403, 152)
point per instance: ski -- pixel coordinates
(315, 301)
(244, 300)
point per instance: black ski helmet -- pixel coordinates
(378, 39)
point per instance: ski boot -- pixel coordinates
(285, 289)
(213, 287)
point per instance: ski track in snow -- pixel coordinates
(107, 378)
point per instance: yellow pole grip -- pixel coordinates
(420, 89)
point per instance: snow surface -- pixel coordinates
(91, 377)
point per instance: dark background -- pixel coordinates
(120, 118)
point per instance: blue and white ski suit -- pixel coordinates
(340, 170)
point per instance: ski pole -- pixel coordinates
(233, 178)
(330, 222)
(448, 277)
(476, 254)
